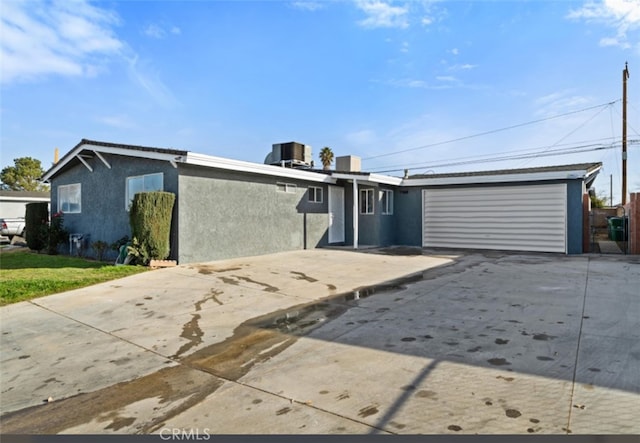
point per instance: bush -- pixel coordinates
(150, 220)
(99, 247)
(36, 225)
(56, 234)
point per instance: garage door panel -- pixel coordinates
(526, 218)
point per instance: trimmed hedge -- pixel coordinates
(150, 220)
(36, 223)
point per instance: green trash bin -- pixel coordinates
(615, 228)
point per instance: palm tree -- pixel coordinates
(326, 157)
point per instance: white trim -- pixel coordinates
(498, 178)
(25, 199)
(369, 178)
(366, 191)
(59, 199)
(355, 213)
(84, 162)
(102, 158)
(256, 168)
(315, 194)
(388, 208)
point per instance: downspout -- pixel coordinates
(355, 214)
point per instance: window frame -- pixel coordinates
(367, 202)
(386, 201)
(60, 190)
(317, 191)
(129, 200)
(286, 188)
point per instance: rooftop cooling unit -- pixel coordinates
(291, 154)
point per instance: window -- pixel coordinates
(70, 198)
(286, 187)
(143, 183)
(315, 194)
(387, 201)
(366, 201)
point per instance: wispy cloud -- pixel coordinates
(559, 102)
(143, 74)
(116, 121)
(380, 14)
(622, 15)
(307, 5)
(155, 30)
(62, 37)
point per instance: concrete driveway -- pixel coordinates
(326, 341)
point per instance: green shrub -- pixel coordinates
(56, 234)
(99, 247)
(36, 225)
(150, 220)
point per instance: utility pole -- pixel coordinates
(611, 190)
(625, 76)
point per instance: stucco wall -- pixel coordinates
(375, 229)
(574, 216)
(104, 216)
(224, 215)
(408, 214)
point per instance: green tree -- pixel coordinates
(23, 176)
(326, 157)
(598, 201)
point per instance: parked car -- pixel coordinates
(10, 227)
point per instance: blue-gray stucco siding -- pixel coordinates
(103, 213)
(225, 214)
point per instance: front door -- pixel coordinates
(336, 214)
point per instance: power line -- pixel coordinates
(555, 152)
(592, 142)
(490, 132)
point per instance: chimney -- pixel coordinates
(55, 156)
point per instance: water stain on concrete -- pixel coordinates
(534, 420)
(22, 357)
(397, 425)
(499, 362)
(121, 422)
(408, 339)
(509, 379)
(192, 332)
(543, 337)
(169, 385)
(229, 280)
(283, 411)
(476, 349)
(512, 413)
(213, 295)
(303, 276)
(368, 410)
(543, 358)
(424, 393)
(593, 369)
(267, 287)
(343, 396)
(256, 401)
(501, 341)
(454, 428)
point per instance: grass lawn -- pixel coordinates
(25, 275)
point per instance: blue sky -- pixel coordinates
(402, 84)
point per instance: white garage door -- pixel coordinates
(520, 218)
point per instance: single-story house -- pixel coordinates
(228, 208)
(13, 204)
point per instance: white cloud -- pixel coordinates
(560, 102)
(149, 80)
(622, 15)
(380, 14)
(455, 51)
(62, 37)
(154, 30)
(117, 121)
(307, 5)
(462, 67)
